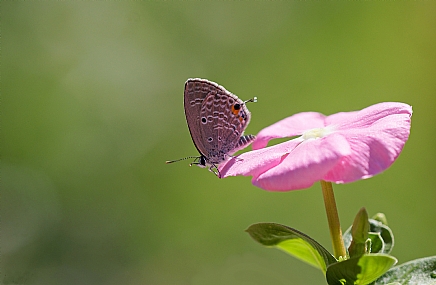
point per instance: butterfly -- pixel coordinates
(216, 120)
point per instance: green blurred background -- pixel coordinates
(92, 106)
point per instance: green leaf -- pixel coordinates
(359, 234)
(385, 233)
(377, 243)
(382, 238)
(381, 218)
(420, 271)
(293, 242)
(359, 270)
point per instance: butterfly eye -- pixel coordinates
(202, 162)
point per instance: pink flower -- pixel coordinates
(339, 148)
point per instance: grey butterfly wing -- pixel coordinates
(223, 119)
(196, 91)
(216, 119)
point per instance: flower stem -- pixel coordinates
(333, 219)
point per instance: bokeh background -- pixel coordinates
(92, 107)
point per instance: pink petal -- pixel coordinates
(340, 117)
(367, 116)
(306, 164)
(375, 144)
(258, 161)
(289, 127)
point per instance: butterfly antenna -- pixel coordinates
(171, 161)
(253, 100)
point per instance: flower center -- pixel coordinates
(315, 133)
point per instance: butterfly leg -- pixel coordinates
(212, 169)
